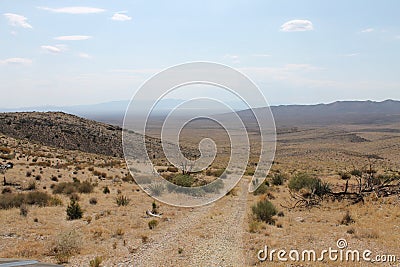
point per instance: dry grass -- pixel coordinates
(114, 232)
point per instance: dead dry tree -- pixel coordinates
(3, 170)
(298, 200)
(367, 183)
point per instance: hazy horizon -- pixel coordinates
(70, 53)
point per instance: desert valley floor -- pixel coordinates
(223, 233)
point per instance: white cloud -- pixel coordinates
(368, 30)
(119, 16)
(84, 55)
(74, 10)
(73, 37)
(54, 49)
(297, 25)
(17, 20)
(16, 61)
(51, 49)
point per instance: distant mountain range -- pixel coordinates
(339, 112)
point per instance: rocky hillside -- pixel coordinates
(62, 130)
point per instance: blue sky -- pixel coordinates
(303, 52)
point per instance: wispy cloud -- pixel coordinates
(368, 30)
(351, 54)
(84, 55)
(17, 20)
(57, 49)
(73, 37)
(120, 16)
(16, 61)
(74, 10)
(297, 25)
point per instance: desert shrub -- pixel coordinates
(85, 187)
(64, 188)
(215, 173)
(93, 201)
(302, 180)
(106, 190)
(122, 200)
(254, 225)
(6, 190)
(156, 189)
(74, 211)
(250, 171)
(356, 172)
(278, 179)
(128, 178)
(12, 200)
(74, 196)
(31, 185)
(54, 179)
(5, 150)
(262, 189)
(145, 239)
(119, 233)
(55, 201)
(38, 177)
(184, 180)
(347, 219)
(28, 174)
(95, 262)
(320, 188)
(264, 210)
(23, 210)
(152, 224)
(68, 188)
(66, 245)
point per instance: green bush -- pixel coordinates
(106, 190)
(122, 200)
(74, 211)
(278, 179)
(311, 183)
(184, 180)
(152, 224)
(95, 262)
(302, 180)
(264, 210)
(321, 188)
(262, 189)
